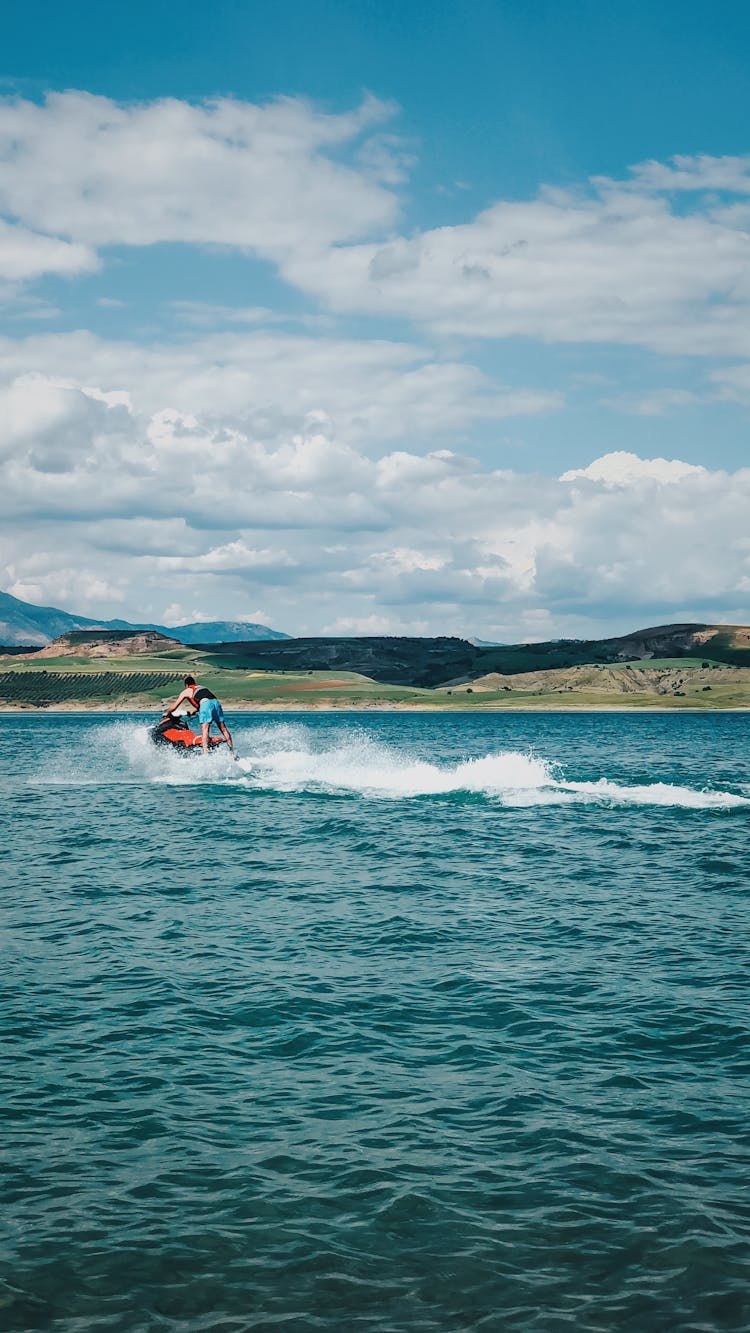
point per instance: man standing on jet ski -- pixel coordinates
(208, 708)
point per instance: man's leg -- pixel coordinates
(226, 733)
(204, 736)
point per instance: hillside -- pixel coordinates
(403, 660)
(144, 669)
(700, 667)
(728, 644)
(425, 663)
(106, 643)
(448, 661)
(22, 623)
(616, 680)
(395, 661)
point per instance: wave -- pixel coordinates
(294, 758)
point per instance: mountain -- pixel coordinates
(20, 622)
(220, 631)
(23, 623)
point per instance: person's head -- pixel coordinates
(190, 680)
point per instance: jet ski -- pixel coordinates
(173, 733)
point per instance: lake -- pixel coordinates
(415, 1022)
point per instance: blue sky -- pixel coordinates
(306, 310)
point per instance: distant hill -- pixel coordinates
(449, 661)
(728, 644)
(221, 631)
(395, 661)
(36, 626)
(108, 643)
(22, 623)
(704, 667)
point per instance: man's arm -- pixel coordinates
(186, 695)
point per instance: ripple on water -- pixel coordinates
(423, 1023)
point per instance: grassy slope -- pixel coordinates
(227, 674)
(724, 649)
(434, 663)
(347, 690)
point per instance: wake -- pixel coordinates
(291, 758)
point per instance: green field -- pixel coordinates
(151, 681)
(45, 689)
(122, 687)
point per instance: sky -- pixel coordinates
(363, 316)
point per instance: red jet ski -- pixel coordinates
(174, 734)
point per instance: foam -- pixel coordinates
(294, 758)
(509, 776)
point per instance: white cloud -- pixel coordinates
(323, 475)
(624, 469)
(367, 391)
(223, 172)
(657, 552)
(79, 587)
(374, 625)
(319, 195)
(175, 508)
(692, 173)
(26, 254)
(231, 558)
(612, 264)
(176, 614)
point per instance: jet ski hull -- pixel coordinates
(174, 736)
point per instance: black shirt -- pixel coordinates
(202, 693)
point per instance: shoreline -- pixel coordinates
(111, 710)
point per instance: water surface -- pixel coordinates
(404, 1022)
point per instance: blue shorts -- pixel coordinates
(210, 710)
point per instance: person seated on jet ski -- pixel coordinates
(208, 708)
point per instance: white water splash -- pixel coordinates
(293, 758)
(363, 766)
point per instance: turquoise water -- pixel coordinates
(404, 1022)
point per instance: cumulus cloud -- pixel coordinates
(166, 508)
(624, 469)
(658, 259)
(234, 557)
(103, 173)
(700, 172)
(45, 581)
(605, 265)
(656, 551)
(26, 254)
(325, 477)
(271, 382)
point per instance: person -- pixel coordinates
(208, 708)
